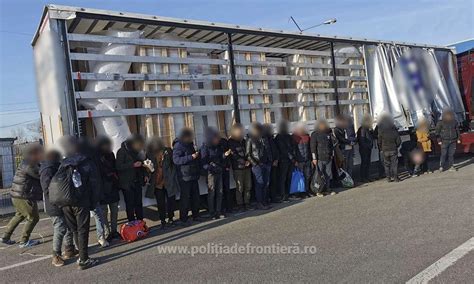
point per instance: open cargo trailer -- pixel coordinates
(115, 73)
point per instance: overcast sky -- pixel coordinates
(422, 21)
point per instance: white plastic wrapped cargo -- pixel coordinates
(114, 127)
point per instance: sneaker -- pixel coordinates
(7, 242)
(57, 261)
(29, 243)
(441, 169)
(453, 169)
(87, 263)
(332, 193)
(319, 194)
(68, 254)
(103, 242)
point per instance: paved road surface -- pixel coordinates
(374, 233)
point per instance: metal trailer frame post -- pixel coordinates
(70, 93)
(334, 76)
(235, 95)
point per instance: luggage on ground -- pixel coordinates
(297, 182)
(345, 179)
(134, 230)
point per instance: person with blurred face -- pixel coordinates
(212, 156)
(365, 139)
(25, 193)
(241, 167)
(287, 159)
(131, 174)
(273, 188)
(260, 156)
(110, 186)
(303, 155)
(187, 160)
(61, 232)
(424, 139)
(77, 214)
(345, 138)
(447, 132)
(163, 180)
(322, 153)
(389, 141)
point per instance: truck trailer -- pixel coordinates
(113, 73)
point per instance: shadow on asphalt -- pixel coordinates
(188, 231)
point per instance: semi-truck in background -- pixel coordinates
(116, 73)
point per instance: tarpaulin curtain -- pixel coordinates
(411, 83)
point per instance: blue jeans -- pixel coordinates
(261, 175)
(61, 233)
(100, 222)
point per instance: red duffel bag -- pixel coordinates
(134, 230)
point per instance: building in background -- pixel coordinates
(7, 162)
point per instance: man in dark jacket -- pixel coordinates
(61, 232)
(110, 189)
(286, 151)
(77, 215)
(447, 132)
(227, 197)
(259, 154)
(389, 141)
(365, 139)
(25, 193)
(272, 192)
(345, 138)
(241, 167)
(303, 155)
(212, 157)
(131, 174)
(322, 152)
(186, 158)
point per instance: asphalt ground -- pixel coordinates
(374, 233)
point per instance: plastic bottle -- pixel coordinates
(76, 179)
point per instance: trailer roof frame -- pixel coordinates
(69, 12)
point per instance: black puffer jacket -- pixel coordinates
(447, 131)
(188, 168)
(303, 149)
(322, 146)
(286, 147)
(26, 182)
(238, 157)
(47, 171)
(128, 175)
(109, 178)
(212, 158)
(388, 138)
(258, 151)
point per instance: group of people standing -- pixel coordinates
(261, 162)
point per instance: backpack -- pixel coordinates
(134, 230)
(62, 189)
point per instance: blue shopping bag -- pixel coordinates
(297, 182)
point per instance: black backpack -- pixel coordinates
(62, 191)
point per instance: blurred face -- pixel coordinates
(188, 138)
(449, 116)
(255, 131)
(322, 127)
(36, 156)
(137, 146)
(300, 130)
(215, 140)
(237, 133)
